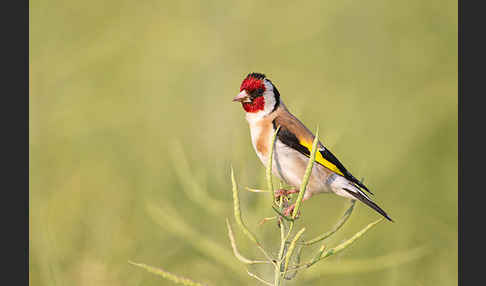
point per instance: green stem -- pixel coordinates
(307, 174)
(269, 166)
(322, 255)
(167, 275)
(278, 266)
(291, 248)
(238, 255)
(259, 278)
(239, 220)
(336, 227)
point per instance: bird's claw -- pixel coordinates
(289, 210)
(284, 193)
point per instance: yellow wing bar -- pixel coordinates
(321, 159)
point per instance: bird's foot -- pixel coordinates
(289, 210)
(284, 193)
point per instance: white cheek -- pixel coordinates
(269, 101)
(269, 98)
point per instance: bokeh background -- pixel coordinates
(133, 132)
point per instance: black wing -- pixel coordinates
(291, 140)
(331, 158)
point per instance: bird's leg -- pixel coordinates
(282, 192)
(279, 193)
(289, 210)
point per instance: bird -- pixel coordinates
(266, 113)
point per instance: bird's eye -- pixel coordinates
(260, 90)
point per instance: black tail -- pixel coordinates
(368, 202)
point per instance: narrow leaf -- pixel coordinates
(343, 245)
(290, 252)
(237, 210)
(259, 279)
(167, 275)
(336, 227)
(238, 255)
(239, 220)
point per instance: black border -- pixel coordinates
(15, 141)
(471, 143)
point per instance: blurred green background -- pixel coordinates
(130, 110)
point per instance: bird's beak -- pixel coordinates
(242, 97)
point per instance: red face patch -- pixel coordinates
(251, 84)
(257, 104)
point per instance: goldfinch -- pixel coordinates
(265, 112)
